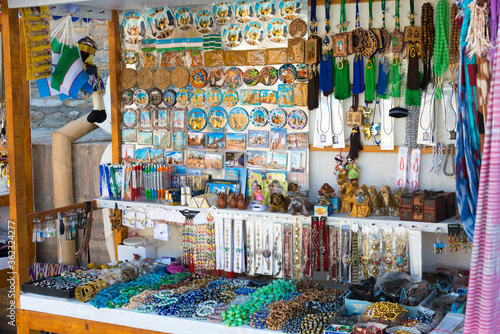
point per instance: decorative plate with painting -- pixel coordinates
(277, 30)
(265, 9)
(258, 116)
(232, 36)
(160, 22)
(238, 119)
(204, 21)
(196, 120)
(217, 118)
(277, 118)
(184, 18)
(222, 12)
(133, 27)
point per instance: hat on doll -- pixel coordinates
(88, 45)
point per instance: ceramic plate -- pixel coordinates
(243, 11)
(198, 78)
(204, 21)
(230, 98)
(268, 76)
(302, 72)
(198, 98)
(160, 22)
(196, 120)
(238, 119)
(184, 97)
(155, 96)
(216, 78)
(251, 77)
(127, 97)
(258, 116)
(217, 118)
(297, 119)
(289, 9)
(141, 98)
(254, 33)
(277, 118)
(287, 73)
(129, 57)
(169, 97)
(133, 27)
(232, 36)
(184, 18)
(214, 97)
(265, 9)
(277, 30)
(222, 12)
(298, 28)
(233, 77)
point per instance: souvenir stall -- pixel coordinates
(266, 166)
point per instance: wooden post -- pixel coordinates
(114, 77)
(18, 127)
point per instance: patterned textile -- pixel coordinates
(483, 301)
(43, 270)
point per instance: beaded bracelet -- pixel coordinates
(144, 308)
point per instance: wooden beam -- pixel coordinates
(370, 149)
(16, 136)
(42, 215)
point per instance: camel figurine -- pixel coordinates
(377, 201)
(361, 206)
(397, 201)
(346, 193)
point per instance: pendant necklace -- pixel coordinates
(341, 122)
(319, 123)
(450, 152)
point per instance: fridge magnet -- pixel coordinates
(196, 58)
(232, 36)
(216, 78)
(204, 22)
(277, 30)
(128, 153)
(251, 77)
(250, 96)
(174, 158)
(160, 22)
(285, 95)
(196, 140)
(222, 12)
(129, 56)
(238, 119)
(156, 155)
(183, 97)
(298, 161)
(268, 76)
(129, 135)
(214, 97)
(302, 72)
(287, 73)
(297, 141)
(256, 159)
(195, 158)
(155, 96)
(141, 98)
(198, 78)
(127, 97)
(243, 11)
(289, 9)
(258, 116)
(277, 118)
(265, 9)
(277, 161)
(298, 28)
(213, 160)
(258, 139)
(233, 77)
(162, 140)
(178, 117)
(230, 98)
(217, 118)
(236, 141)
(253, 33)
(278, 139)
(144, 138)
(145, 120)
(297, 119)
(169, 97)
(179, 140)
(184, 18)
(198, 98)
(235, 159)
(149, 59)
(268, 96)
(142, 155)
(162, 119)
(196, 120)
(215, 141)
(133, 27)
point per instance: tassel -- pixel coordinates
(358, 82)
(370, 73)
(326, 75)
(412, 95)
(355, 140)
(382, 79)
(342, 80)
(313, 89)
(395, 77)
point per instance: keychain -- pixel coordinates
(439, 246)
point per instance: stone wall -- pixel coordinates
(51, 112)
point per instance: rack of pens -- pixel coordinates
(141, 182)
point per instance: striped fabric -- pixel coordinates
(483, 301)
(179, 44)
(212, 42)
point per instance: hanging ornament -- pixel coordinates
(326, 78)
(454, 43)
(358, 40)
(383, 64)
(355, 119)
(441, 50)
(341, 45)
(427, 45)
(412, 37)
(313, 56)
(369, 50)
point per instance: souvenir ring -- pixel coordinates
(222, 12)
(141, 98)
(184, 18)
(277, 30)
(238, 119)
(268, 76)
(217, 118)
(129, 57)
(287, 73)
(297, 119)
(298, 28)
(216, 78)
(133, 27)
(253, 33)
(169, 97)
(232, 36)
(127, 97)
(265, 10)
(214, 97)
(198, 78)
(196, 120)
(289, 9)
(277, 118)
(230, 98)
(198, 98)
(243, 11)
(251, 77)
(155, 96)
(160, 22)
(184, 97)
(302, 72)
(258, 116)
(233, 77)
(204, 21)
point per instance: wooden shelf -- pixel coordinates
(370, 149)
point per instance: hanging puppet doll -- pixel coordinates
(88, 48)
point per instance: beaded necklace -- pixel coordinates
(332, 236)
(450, 151)
(441, 45)
(266, 253)
(287, 250)
(315, 243)
(258, 252)
(296, 236)
(346, 256)
(323, 242)
(249, 251)
(306, 250)
(454, 43)
(277, 252)
(428, 35)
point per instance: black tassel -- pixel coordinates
(356, 145)
(313, 89)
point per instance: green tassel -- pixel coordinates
(333, 68)
(342, 80)
(370, 79)
(412, 97)
(395, 79)
(437, 93)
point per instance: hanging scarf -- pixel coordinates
(342, 72)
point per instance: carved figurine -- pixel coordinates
(257, 193)
(346, 193)
(388, 205)
(397, 200)
(376, 200)
(325, 194)
(222, 202)
(278, 203)
(340, 170)
(299, 204)
(361, 206)
(352, 171)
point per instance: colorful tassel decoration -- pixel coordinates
(355, 140)
(326, 74)
(342, 80)
(395, 77)
(382, 78)
(412, 95)
(370, 80)
(358, 82)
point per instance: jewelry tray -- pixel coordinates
(39, 290)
